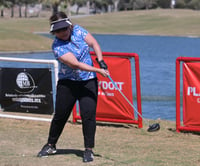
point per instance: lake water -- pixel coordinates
(157, 56)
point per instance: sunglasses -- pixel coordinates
(61, 30)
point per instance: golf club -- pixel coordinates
(153, 127)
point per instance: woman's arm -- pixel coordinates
(91, 41)
(70, 60)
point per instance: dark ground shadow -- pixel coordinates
(78, 153)
(185, 132)
(110, 124)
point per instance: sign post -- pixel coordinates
(191, 94)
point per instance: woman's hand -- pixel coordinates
(103, 72)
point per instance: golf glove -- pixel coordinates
(102, 64)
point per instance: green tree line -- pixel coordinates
(97, 6)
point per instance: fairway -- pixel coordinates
(164, 22)
(116, 144)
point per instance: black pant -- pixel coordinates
(67, 93)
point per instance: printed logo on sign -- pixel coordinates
(25, 83)
(192, 91)
(104, 85)
(109, 85)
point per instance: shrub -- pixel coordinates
(180, 4)
(164, 3)
(194, 4)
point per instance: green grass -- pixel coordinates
(116, 144)
(150, 22)
(18, 34)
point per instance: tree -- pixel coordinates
(101, 5)
(164, 3)
(54, 4)
(2, 5)
(25, 3)
(115, 2)
(149, 4)
(12, 5)
(194, 4)
(79, 3)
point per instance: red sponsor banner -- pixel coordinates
(191, 94)
(111, 104)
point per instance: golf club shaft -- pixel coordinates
(126, 98)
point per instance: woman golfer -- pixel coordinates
(77, 81)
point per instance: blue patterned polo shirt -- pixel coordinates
(80, 49)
